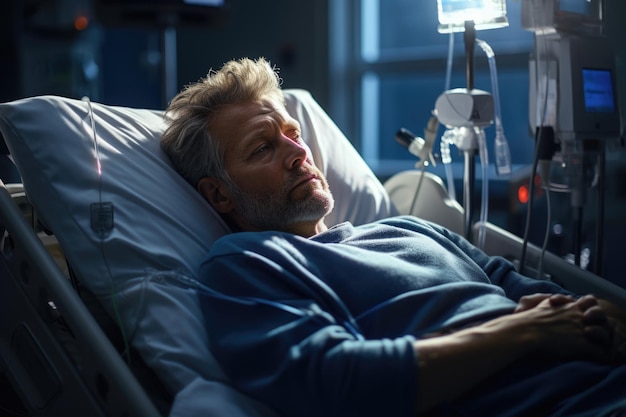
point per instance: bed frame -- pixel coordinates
(499, 242)
(434, 204)
(56, 356)
(52, 351)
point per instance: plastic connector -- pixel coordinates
(503, 154)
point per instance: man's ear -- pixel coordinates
(216, 193)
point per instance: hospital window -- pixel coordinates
(389, 65)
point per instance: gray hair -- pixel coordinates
(187, 140)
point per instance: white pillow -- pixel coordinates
(159, 221)
(160, 225)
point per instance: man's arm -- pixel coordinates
(450, 365)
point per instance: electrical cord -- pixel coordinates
(539, 133)
(531, 198)
(600, 218)
(545, 236)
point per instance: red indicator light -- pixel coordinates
(523, 194)
(81, 23)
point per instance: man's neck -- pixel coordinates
(306, 229)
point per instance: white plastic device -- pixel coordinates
(461, 107)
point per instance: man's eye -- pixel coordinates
(261, 149)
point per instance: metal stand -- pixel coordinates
(469, 178)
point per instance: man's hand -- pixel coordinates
(558, 325)
(616, 320)
(604, 324)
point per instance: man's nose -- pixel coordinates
(296, 154)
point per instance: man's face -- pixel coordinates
(275, 186)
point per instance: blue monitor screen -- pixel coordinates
(588, 8)
(598, 91)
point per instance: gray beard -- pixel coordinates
(276, 211)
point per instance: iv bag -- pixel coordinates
(486, 14)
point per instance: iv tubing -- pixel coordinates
(449, 62)
(445, 145)
(484, 163)
(446, 140)
(417, 191)
(482, 143)
(502, 152)
(113, 295)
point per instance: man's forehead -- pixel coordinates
(275, 107)
(241, 123)
(249, 112)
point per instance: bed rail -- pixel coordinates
(52, 351)
(499, 242)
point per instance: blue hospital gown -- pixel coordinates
(325, 326)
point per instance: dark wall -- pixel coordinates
(9, 35)
(131, 67)
(292, 34)
(615, 29)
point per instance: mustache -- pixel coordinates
(304, 175)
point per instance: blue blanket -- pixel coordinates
(325, 326)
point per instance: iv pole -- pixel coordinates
(469, 153)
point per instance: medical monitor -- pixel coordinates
(588, 107)
(571, 16)
(598, 90)
(589, 8)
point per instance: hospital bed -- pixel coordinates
(131, 230)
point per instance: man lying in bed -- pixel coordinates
(393, 318)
